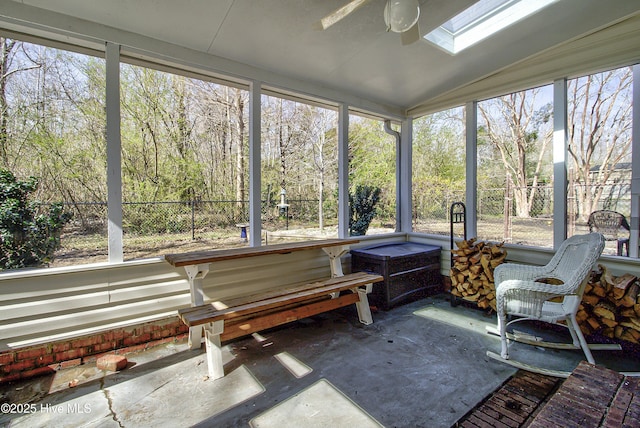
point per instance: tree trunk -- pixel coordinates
(241, 158)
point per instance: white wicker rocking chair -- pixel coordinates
(526, 292)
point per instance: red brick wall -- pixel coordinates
(46, 358)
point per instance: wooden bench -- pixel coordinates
(239, 317)
(232, 318)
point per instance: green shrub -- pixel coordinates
(27, 239)
(362, 208)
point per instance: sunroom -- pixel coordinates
(172, 127)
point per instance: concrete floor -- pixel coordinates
(422, 364)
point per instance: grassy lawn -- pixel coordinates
(82, 249)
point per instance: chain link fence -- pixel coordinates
(155, 228)
(431, 210)
(213, 222)
(498, 218)
(195, 218)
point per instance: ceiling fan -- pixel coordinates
(401, 16)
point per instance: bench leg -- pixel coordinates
(212, 332)
(364, 312)
(195, 274)
(335, 262)
(195, 337)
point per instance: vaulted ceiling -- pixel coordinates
(274, 41)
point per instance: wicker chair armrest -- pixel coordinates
(516, 285)
(509, 271)
(524, 298)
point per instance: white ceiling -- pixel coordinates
(276, 39)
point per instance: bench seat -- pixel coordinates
(242, 316)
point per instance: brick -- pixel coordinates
(10, 378)
(144, 338)
(40, 371)
(128, 341)
(71, 354)
(107, 346)
(31, 353)
(19, 366)
(7, 358)
(137, 348)
(112, 362)
(61, 347)
(86, 342)
(166, 340)
(45, 360)
(70, 363)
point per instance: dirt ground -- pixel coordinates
(74, 252)
(78, 250)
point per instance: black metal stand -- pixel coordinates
(457, 215)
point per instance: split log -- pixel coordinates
(621, 284)
(593, 323)
(472, 271)
(610, 306)
(598, 290)
(605, 309)
(606, 279)
(591, 299)
(631, 296)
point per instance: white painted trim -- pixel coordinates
(114, 159)
(560, 147)
(471, 168)
(635, 161)
(405, 178)
(46, 272)
(343, 171)
(255, 170)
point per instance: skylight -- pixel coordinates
(481, 20)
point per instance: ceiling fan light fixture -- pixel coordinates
(401, 15)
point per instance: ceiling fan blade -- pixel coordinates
(410, 36)
(339, 14)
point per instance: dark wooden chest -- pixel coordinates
(410, 271)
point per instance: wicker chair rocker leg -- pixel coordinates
(502, 329)
(578, 338)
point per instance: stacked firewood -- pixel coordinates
(472, 271)
(611, 306)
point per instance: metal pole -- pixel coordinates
(193, 220)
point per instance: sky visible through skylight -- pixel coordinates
(481, 20)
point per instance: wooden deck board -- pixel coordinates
(203, 314)
(514, 404)
(592, 396)
(200, 257)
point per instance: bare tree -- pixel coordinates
(519, 130)
(323, 137)
(6, 46)
(599, 132)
